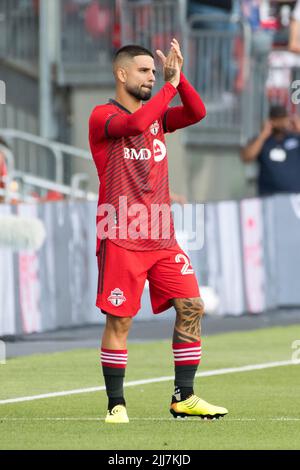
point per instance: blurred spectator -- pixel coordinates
(294, 40)
(98, 19)
(91, 27)
(208, 7)
(262, 37)
(281, 12)
(36, 6)
(261, 43)
(284, 62)
(277, 151)
(3, 167)
(52, 196)
(251, 12)
(218, 65)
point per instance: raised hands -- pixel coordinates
(295, 123)
(172, 64)
(266, 130)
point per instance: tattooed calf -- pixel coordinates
(188, 314)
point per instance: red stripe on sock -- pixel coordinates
(115, 366)
(115, 351)
(186, 345)
(187, 363)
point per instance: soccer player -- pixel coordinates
(135, 240)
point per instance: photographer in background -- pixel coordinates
(277, 152)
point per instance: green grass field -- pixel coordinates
(264, 405)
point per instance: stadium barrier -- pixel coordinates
(23, 187)
(87, 39)
(41, 157)
(89, 35)
(19, 30)
(86, 34)
(217, 51)
(251, 258)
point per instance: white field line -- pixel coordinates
(134, 383)
(281, 418)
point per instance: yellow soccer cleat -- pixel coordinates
(195, 406)
(117, 415)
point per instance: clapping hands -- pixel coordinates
(172, 64)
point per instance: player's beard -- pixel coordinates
(142, 94)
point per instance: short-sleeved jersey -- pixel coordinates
(133, 175)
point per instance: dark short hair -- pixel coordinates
(277, 111)
(132, 50)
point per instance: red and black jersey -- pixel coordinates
(130, 154)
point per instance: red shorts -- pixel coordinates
(123, 273)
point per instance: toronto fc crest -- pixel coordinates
(154, 128)
(116, 297)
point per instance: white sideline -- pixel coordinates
(56, 418)
(208, 373)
